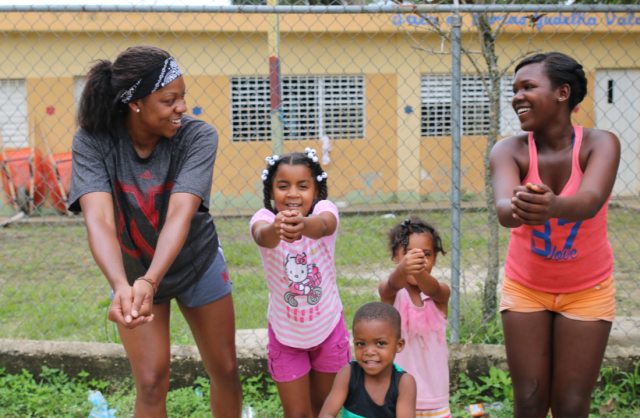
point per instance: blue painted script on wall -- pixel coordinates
(560, 19)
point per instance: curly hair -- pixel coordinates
(561, 69)
(378, 311)
(293, 158)
(399, 235)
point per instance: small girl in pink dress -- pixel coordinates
(423, 304)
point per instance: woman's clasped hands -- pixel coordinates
(131, 305)
(533, 204)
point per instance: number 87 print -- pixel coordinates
(566, 253)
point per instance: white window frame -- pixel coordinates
(79, 82)
(312, 106)
(509, 122)
(14, 124)
(435, 93)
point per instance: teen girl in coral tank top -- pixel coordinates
(551, 187)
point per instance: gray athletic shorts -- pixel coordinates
(214, 284)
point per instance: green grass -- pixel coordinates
(51, 288)
(54, 394)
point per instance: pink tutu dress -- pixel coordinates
(425, 355)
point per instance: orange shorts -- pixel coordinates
(593, 304)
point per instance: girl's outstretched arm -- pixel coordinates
(318, 226)
(430, 286)
(406, 406)
(338, 395)
(539, 203)
(439, 292)
(414, 262)
(268, 235)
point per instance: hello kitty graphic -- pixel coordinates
(305, 280)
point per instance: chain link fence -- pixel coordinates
(402, 103)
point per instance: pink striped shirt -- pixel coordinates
(304, 304)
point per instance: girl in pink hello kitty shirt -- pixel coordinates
(296, 235)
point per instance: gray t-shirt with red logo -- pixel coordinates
(141, 188)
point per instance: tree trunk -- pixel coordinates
(489, 300)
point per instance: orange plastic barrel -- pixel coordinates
(18, 166)
(62, 178)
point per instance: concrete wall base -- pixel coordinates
(109, 361)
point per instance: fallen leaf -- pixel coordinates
(608, 407)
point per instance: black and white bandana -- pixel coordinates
(152, 80)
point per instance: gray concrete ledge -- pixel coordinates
(109, 361)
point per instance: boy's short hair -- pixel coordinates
(378, 311)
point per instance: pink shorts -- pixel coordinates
(289, 363)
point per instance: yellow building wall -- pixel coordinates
(54, 95)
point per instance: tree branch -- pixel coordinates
(497, 31)
(430, 51)
(502, 23)
(517, 58)
(435, 27)
(480, 73)
(421, 48)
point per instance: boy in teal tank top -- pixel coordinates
(372, 386)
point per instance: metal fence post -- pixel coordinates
(275, 84)
(456, 125)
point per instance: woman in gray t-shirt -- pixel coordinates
(142, 174)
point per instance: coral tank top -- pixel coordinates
(560, 256)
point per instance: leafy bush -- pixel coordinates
(495, 387)
(623, 387)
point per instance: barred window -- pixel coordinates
(14, 126)
(250, 108)
(300, 107)
(435, 94)
(343, 106)
(312, 106)
(435, 91)
(476, 108)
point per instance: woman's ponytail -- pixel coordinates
(98, 105)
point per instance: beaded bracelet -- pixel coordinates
(151, 282)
